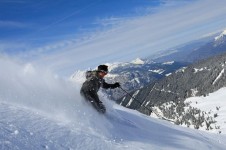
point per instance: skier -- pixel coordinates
(94, 80)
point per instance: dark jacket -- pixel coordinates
(92, 85)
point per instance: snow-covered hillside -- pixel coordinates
(41, 111)
(220, 36)
(215, 105)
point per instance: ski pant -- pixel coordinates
(90, 96)
(94, 100)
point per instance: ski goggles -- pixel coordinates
(105, 72)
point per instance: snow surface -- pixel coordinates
(23, 128)
(138, 61)
(41, 111)
(219, 76)
(159, 71)
(215, 103)
(168, 63)
(201, 69)
(220, 36)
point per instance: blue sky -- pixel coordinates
(45, 21)
(65, 36)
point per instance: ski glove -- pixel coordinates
(116, 85)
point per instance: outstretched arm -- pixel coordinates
(112, 86)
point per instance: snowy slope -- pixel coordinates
(23, 128)
(215, 105)
(219, 37)
(41, 111)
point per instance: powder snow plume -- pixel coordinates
(44, 92)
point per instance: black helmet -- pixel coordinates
(103, 68)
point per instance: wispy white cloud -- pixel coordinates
(12, 24)
(141, 36)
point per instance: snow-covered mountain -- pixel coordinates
(133, 75)
(168, 94)
(138, 74)
(138, 61)
(197, 50)
(220, 39)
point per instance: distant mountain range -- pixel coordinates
(198, 79)
(138, 74)
(168, 94)
(197, 50)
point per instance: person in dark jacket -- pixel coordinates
(95, 80)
